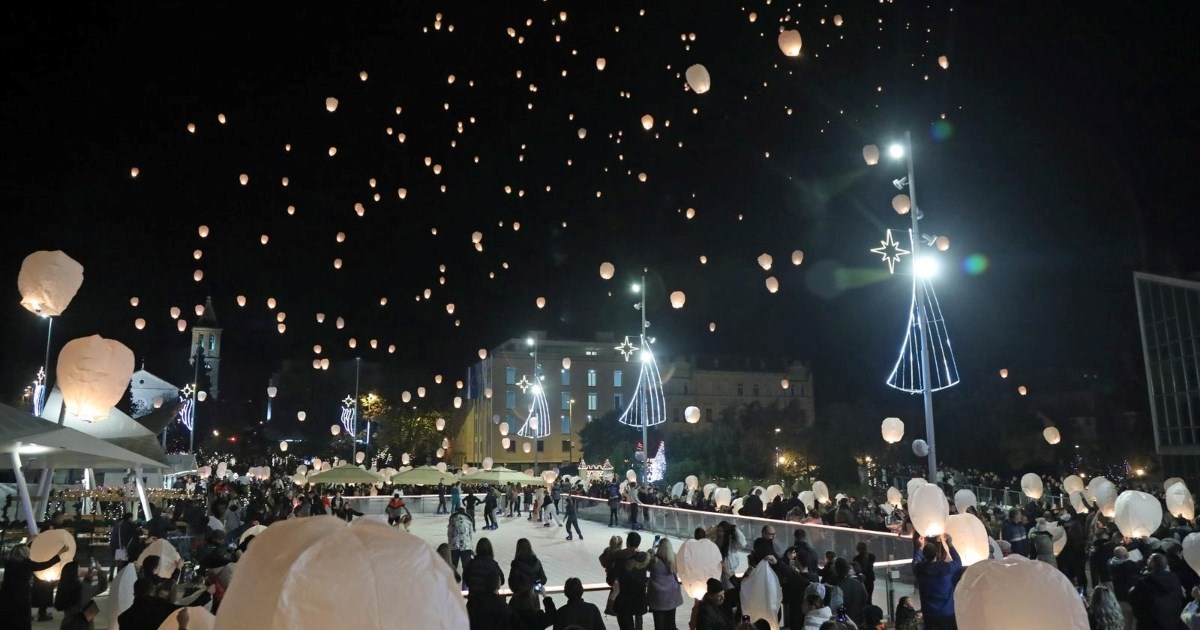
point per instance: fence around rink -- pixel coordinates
(1005, 497)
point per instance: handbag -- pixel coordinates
(121, 554)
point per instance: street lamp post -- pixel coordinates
(571, 421)
(354, 421)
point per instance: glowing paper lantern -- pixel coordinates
(1180, 502)
(359, 457)
(505, 442)
(820, 491)
(46, 545)
(678, 299)
(1003, 372)
(600, 63)
(1137, 514)
(772, 284)
(331, 104)
(300, 415)
(969, 537)
(797, 257)
(1191, 550)
(871, 154)
(335, 429)
(698, 79)
(1072, 483)
(764, 261)
(983, 598)
(920, 448)
(901, 204)
(692, 415)
(808, 499)
(1106, 498)
(721, 496)
(272, 391)
(1171, 482)
(265, 593)
(139, 323)
(1078, 502)
(632, 476)
(93, 373)
(48, 281)
(698, 561)
(892, 429)
(928, 508)
(541, 302)
(526, 447)
(944, 62)
(894, 497)
(487, 463)
(790, 43)
(566, 363)
(1051, 435)
(647, 122)
(607, 270)
(1022, 390)
(440, 424)
(201, 395)
(1031, 485)
(963, 499)
(283, 446)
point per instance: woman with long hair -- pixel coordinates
(663, 593)
(615, 544)
(443, 550)
(907, 617)
(1104, 613)
(526, 569)
(483, 568)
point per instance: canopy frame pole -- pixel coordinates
(23, 490)
(44, 485)
(141, 490)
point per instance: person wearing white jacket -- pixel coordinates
(1191, 612)
(818, 614)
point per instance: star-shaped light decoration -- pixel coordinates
(187, 391)
(626, 348)
(348, 402)
(891, 251)
(524, 383)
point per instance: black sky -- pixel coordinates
(1068, 166)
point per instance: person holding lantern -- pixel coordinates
(936, 567)
(16, 591)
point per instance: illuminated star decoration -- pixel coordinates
(648, 406)
(943, 371)
(39, 392)
(524, 383)
(537, 423)
(891, 251)
(349, 420)
(626, 348)
(187, 410)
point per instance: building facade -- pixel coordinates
(584, 380)
(145, 387)
(206, 341)
(1169, 319)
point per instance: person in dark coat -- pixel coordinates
(527, 614)
(806, 556)
(486, 609)
(577, 613)
(866, 564)
(1158, 597)
(122, 540)
(152, 605)
(935, 567)
(526, 569)
(1125, 573)
(753, 505)
(73, 594)
(16, 591)
(632, 577)
(854, 594)
(162, 525)
(483, 569)
(710, 613)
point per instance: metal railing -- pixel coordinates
(992, 496)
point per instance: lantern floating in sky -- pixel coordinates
(244, 179)
(93, 373)
(139, 323)
(692, 414)
(607, 270)
(241, 300)
(944, 62)
(647, 122)
(764, 261)
(133, 172)
(790, 43)
(283, 446)
(331, 104)
(892, 429)
(894, 497)
(335, 429)
(1072, 483)
(600, 63)
(181, 325)
(784, 384)
(942, 243)
(133, 301)
(963, 499)
(1031, 485)
(678, 299)
(48, 281)
(920, 448)
(421, 392)
(871, 154)
(901, 204)
(201, 395)
(1137, 514)
(1003, 372)
(300, 415)
(698, 79)
(1191, 550)
(1180, 502)
(837, 20)
(970, 538)
(1051, 435)
(1048, 599)
(1022, 390)
(772, 284)
(541, 302)
(340, 323)
(928, 508)
(197, 275)
(712, 326)
(797, 257)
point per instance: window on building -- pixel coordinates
(739, 389)
(591, 378)
(510, 375)
(200, 341)
(568, 448)
(512, 446)
(616, 378)
(618, 402)
(593, 401)
(566, 377)
(566, 400)
(755, 390)
(510, 399)
(708, 414)
(566, 424)
(541, 446)
(212, 343)
(512, 426)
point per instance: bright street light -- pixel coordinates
(529, 340)
(926, 267)
(637, 288)
(896, 150)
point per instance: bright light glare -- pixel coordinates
(896, 151)
(537, 389)
(646, 356)
(926, 267)
(637, 288)
(529, 341)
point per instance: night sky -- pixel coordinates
(1058, 144)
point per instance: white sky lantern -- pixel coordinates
(48, 281)
(920, 448)
(181, 325)
(692, 415)
(712, 326)
(272, 391)
(353, 343)
(199, 309)
(1171, 481)
(331, 104)
(541, 302)
(1137, 514)
(197, 254)
(505, 442)
(402, 192)
(772, 284)
(450, 309)
(892, 429)
(1180, 502)
(797, 257)
(698, 79)
(93, 373)
(340, 237)
(1031, 485)
(337, 263)
(244, 179)
(335, 429)
(1191, 550)
(271, 302)
(203, 231)
(1072, 483)
(445, 441)
(901, 204)
(487, 463)
(837, 20)
(1048, 599)
(963, 499)
(133, 301)
(391, 348)
(525, 447)
(482, 354)
(678, 299)
(405, 396)
(721, 496)
(300, 415)
(784, 384)
(360, 457)
(241, 300)
(201, 395)
(928, 508)
(970, 538)
(697, 562)
(871, 154)
(320, 318)
(421, 392)
(458, 401)
(600, 63)
(944, 62)
(283, 446)
(440, 424)
(1078, 502)
(566, 363)
(1003, 372)
(764, 261)
(139, 323)
(197, 275)
(1051, 435)
(607, 270)
(647, 122)
(582, 133)
(332, 151)
(264, 239)
(790, 43)
(1022, 390)
(942, 243)
(46, 546)
(894, 497)
(476, 237)
(820, 491)
(340, 323)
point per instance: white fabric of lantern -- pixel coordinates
(984, 597)
(790, 43)
(920, 448)
(697, 562)
(1137, 514)
(692, 415)
(1106, 498)
(440, 424)
(360, 457)
(928, 509)
(487, 463)
(46, 546)
(48, 281)
(870, 154)
(1051, 435)
(526, 447)
(1191, 550)
(1090, 490)
(708, 489)
(723, 497)
(168, 558)
(808, 499)
(698, 79)
(1031, 485)
(678, 299)
(93, 373)
(630, 475)
(761, 595)
(892, 429)
(774, 490)
(820, 491)
(198, 619)
(308, 573)
(894, 497)
(441, 466)
(692, 482)
(335, 429)
(914, 483)
(1072, 483)
(504, 429)
(607, 270)
(1078, 502)
(1180, 502)
(1171, 482)
(964, 499)
(969, 537)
